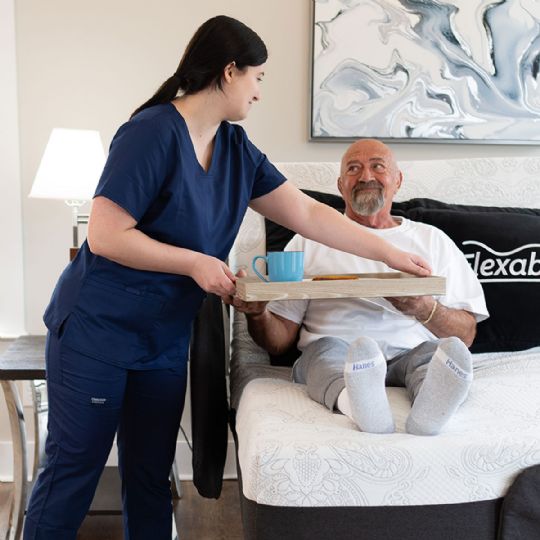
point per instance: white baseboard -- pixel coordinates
(183, 460)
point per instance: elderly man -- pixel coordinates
(352, 348)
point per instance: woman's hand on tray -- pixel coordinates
(408, 262)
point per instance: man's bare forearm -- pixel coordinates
(271, 332)
(447, 322)
(437, 318)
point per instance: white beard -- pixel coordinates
(366, 203)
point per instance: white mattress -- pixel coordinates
(294, 452)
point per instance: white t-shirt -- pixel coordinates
(350, 318)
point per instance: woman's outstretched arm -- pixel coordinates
(288, 206)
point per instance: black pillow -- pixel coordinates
(503, 247)
(512, 300)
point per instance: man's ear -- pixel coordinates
(400, 179)
(339, 185)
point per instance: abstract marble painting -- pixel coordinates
(427, 70)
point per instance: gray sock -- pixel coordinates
(447, 383)
(365, 373)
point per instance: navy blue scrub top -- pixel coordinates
(140, 319)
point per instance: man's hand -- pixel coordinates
(418, 307)
(249, 308)
(270, 331)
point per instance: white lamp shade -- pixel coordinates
(71, 165)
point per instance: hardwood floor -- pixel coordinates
(209, 519)
(4, 507)
(197, 518)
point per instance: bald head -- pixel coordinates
(369, 147)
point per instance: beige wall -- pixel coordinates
(11, 248)
(89, 64)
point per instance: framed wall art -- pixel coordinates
(426, 70)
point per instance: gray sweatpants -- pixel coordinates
(321, 365)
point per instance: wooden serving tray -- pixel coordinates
(252, 289)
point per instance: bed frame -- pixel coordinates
(490, 182)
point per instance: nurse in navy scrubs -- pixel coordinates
(177, 182)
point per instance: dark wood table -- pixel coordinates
(24, 360)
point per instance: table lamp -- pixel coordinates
(69, 170)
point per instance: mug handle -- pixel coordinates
(253, 262)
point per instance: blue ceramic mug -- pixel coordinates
(282, 265)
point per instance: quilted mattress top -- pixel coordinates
(294, 452)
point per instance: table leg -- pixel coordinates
(41, 408)
(176, 486)
(176, 490)
(20, 468)
(174, 534)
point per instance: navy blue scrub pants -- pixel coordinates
(90, 401)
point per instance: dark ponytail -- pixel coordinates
(218, 42)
